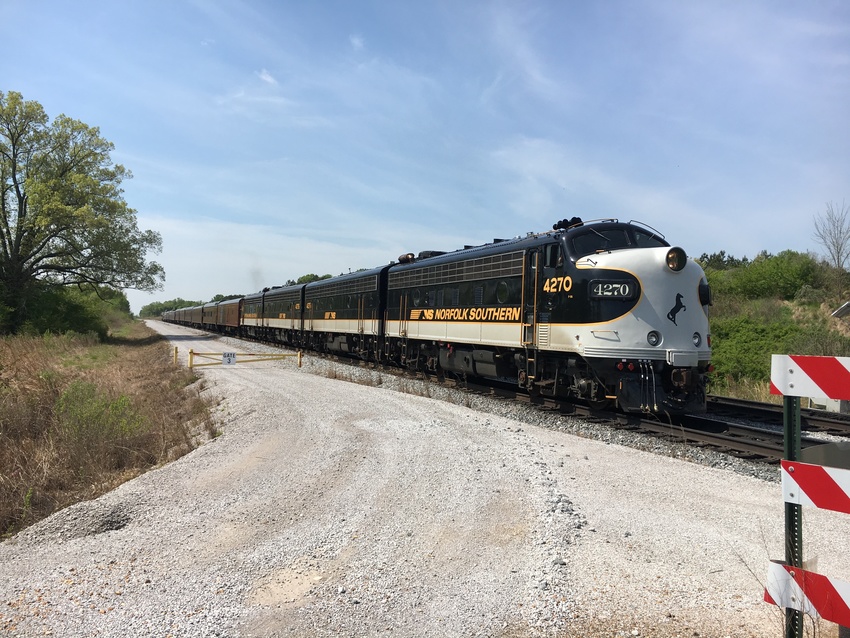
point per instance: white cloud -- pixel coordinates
(357, 42)
(266, 77)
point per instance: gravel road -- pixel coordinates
(330, 508)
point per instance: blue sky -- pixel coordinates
(271, 139)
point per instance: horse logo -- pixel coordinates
(675, 309)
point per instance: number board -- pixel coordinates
(228, 358)
(612, 289)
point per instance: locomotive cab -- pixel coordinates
(623, 318)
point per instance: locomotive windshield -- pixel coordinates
(591, 240)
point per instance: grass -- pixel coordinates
(78, 417)
(743, 389)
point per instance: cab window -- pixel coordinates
(648, 240)
(552, 256)
(593, 241)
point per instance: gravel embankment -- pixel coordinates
(329, 508)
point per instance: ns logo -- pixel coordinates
(679, 307)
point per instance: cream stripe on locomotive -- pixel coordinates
(497, 334)
(342, 326)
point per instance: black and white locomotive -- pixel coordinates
(607, 312)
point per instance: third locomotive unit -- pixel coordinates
(605, 311)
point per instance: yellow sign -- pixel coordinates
(466, 314)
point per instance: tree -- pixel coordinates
(63, 220)
(832, 231)
(779, 276)
(306, 279)
(722, 261)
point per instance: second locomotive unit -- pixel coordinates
(606, 311)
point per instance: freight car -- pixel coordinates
(604, 311)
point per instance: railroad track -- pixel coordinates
(761, 439)
(811, 420)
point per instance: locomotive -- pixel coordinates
(603, 311)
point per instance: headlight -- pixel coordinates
(653, 338)
(676, 259)
(697, 339)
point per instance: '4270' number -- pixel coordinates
(558, 284)
(612, 289)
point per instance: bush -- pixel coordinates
(60, 310)
(780, 276)
(108, 432)
(78, 416)
(819, 340)
(742, 344)
(809, 295)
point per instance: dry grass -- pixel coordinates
(78, 417)
(744, 389)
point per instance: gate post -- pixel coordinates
(823, 486)
(793, 511)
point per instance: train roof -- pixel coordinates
(272, 291)
(360, 274)
(569, 228)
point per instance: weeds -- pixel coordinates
(78, 417)
(743, 389)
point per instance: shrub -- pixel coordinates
(60, 310)
(78, 416)
(741, 345)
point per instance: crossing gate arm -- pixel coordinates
(232, 358)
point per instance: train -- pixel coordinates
(602, 311)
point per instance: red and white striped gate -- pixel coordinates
(811, 485)
(804, 376)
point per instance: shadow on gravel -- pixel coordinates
(133, 342)
(121, 341)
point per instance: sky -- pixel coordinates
(271, 139)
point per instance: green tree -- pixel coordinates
(721, 261)
(63, 220)
(306, 279)
(779, 276)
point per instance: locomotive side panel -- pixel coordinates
(345, 314)
(281, 314)
(251, 321)
(458, 299)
